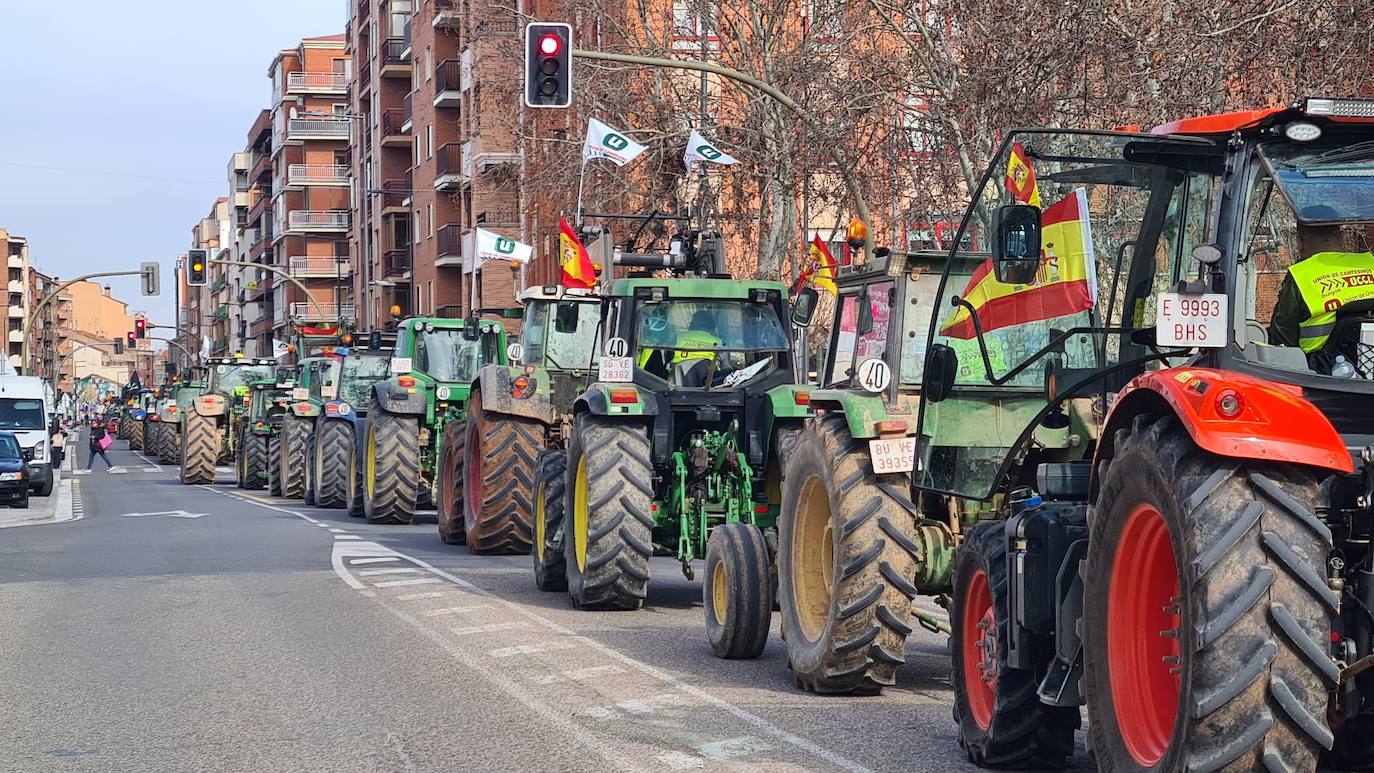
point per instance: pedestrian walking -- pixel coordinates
(99, 441)
(59, 443)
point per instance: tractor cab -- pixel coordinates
(267, 404)
(229, 377)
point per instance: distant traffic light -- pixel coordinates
(196, 263)
(141, 328)
(132, 340)
(548, 65)
(119, 345)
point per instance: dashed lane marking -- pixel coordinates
(488, 628)
(531, 649)
(455, 610)
(415, 581)
(375, 572)
(417, 596)
(579, 674)
(345, 536)
(732, 748)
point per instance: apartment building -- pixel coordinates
(74, 335)
(20, 300)
(309, 149)
(250, 192)
(382, 149)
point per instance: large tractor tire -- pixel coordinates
(498, 477)
(273, 468)
(333, 443)
(1206, 614)
(608, 527)
(550, 565)
(354, 504)
(450, 480)
(253, 452)
(846, 561)
(737, 592)
(1002, 723)
(291, 441)
(164, 438)
(392, 470)
(171, 445)
(199, 449)
(136, 435)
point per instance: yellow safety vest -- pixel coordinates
(683, 351)
(1328, 281)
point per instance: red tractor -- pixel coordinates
(1158, 389)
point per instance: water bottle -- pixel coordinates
(1343, 368)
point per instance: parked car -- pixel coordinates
(14, 471)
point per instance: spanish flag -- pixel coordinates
(1066, 282)
(578, 269)
(1021, 177)
(822, 266)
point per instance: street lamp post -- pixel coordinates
(28, 323)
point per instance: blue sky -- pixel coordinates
(118, 122)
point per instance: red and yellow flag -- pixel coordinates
(578, 269)
(1066, 282)
(1021, 177)
(821, 264)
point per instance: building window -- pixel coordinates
(429, 63)
(431, 297)
(429, 139)
(429, 213)
(419, 226)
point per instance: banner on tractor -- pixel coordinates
(698, 150)
(493, 246)
(1066, 282)
(578, 269)
(605, 142)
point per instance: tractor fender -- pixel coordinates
(789, 401)
(597, 400)
(394, 398)
(1274, 424)
(305, 410)
(210, 405)
(495, 383)
(862, 410)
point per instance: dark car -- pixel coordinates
(14, 472)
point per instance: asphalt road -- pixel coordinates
(262, 635)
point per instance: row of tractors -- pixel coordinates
(1163, 515)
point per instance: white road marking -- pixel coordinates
(153, 466)
(531, 649)
(167, 513)
(650, 705)
(416, 581)
(579, 674)
(151, 469)
(345, 536)
(373, 572)
(377, 560)
(681, 761)
(488, 628)
(455, 610)
(82, 472)
(337, 531)
(732, 748)
(323, 525)
(414, 596)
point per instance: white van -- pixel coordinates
(24, 411)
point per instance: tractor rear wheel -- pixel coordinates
(274, 469)
(199, 449)
(608, 528)
(1002, 724)
(254, 455)
(170, 452)
(136, 435)
(737, 591)
(354, 505)
(450, 477)
(291, 441)
(1206, 612)
(332, 443)
(498, 477)
(846, 560)
(550, 565)
(392, 469)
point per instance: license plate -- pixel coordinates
(10, 476)
(615, 370)
(1191, 320)
(895, 455)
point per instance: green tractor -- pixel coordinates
(255, 428)
(676, 448)
(154, 435)
(415, 417)
(332, 476)
(206, 439)
(516, 412)
(170, 414)
(297, 436)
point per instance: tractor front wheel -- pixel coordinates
(199, 449)
(450, 477)
(550, 566)
(136, 435)
(355, 505)
(498, 473)
(1002, 723)
(1206, 610)
(333, 442)
(737, 591)
(608, 528)
(254, 455)
(846, 560)
(391, 472)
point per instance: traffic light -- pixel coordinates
(196, 263)
(141, 328)
(548, 65)
(119, 345)
(132, 341)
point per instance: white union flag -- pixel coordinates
(605, 142)
(698, 149)
(493, 246)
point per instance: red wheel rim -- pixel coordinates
(1143, 654)
(978, 632)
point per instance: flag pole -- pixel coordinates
(581, 179)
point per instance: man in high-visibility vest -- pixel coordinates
(699, 343)
(1316, 287)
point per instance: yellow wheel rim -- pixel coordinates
(539, 521)
(580, 517)
(720, 594)
(371, 463)
(813, 558)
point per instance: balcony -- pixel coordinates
(17, 286)
(16, 336)
(320, 312)
(446, 15)
(448, 83)
(318, 266)
(395, 263)
(16, 261)
(219, 284)
(496, 28)
(395, 58)
(488, 160)
(16, 312)
(364, 80)
(450, 245)
(316, 83)
(318, 128)
(393, 129)
(241, 162)
(321, 220)
(314, 174)
(497, 217)
(450, 171)
(243, 200)
(394, 195)
(222, 312)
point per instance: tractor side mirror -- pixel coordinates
(804, 306)
(1016, 243)
(471, 329)
(942, 365)
(565, 317)
(864, 324)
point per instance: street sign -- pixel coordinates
(152, 277)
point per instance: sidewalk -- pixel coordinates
(54, 509)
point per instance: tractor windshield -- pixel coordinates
(717, 325)
(1325, 181)
(232, 379)
(445, 355)
(186, 395)
(560, 334)
(360, 372)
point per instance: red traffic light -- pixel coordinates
(549, 44)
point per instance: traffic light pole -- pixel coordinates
(28, 323)
(836, 153)
(338, 317)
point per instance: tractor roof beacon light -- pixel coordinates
(856, 234)
(548, 65)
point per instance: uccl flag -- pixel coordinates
(492, 246)
(605, 142)
(698, 149)
(1066, 282)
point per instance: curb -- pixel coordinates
(60, 508)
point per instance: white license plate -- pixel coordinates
(1191, 320)
(11, 476)
(616, 370)
(895, 455)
